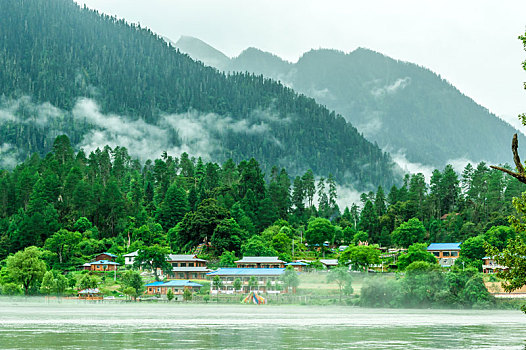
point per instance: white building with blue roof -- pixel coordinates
(267, 280)
(177, 287)
(446, 253)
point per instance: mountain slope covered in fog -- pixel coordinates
(407, 109)
(103, 81)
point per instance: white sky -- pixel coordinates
(471, 43)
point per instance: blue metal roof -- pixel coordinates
(109, 254)
(444, 246)
(247, 272)
(179, 283)
(299, 263)
(105, 262)
(154, 284)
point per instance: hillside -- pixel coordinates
(102, 81)
(407, 109)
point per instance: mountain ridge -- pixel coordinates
(409, 110)
(105, 81)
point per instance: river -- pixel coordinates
(73, 325)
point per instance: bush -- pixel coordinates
(381, 292)
(11, 289)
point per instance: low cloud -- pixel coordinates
(427, 170)
(143, 140)
(372, 126)
(320, 93)
(388, 89)
(193, 132)
(347, 195)
(412, 167)
(9, 156)
(198, 134)
(24, 110)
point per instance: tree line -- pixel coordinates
(76, 205)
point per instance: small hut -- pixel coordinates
(90, 294)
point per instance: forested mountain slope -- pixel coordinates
(103, 81)
(405, 108)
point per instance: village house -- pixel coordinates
(267, 262)
(129, 258)
(489, 265)
(105, 256)
(187, 267)
(267, 280)
(90, 294)
(177, 287)
(446, 253)
(329, 263)
(101, 265)
(299, 266)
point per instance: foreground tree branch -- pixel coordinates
(520, 174)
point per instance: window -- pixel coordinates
(174, 264)
(191, 264)
(182, 264)
(437, 254)
(454, 253)
(181, 275)
(445, 253)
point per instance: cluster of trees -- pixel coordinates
(74, 206)
(427, 285)
(56, 52)
(451, 208)
(26, 272)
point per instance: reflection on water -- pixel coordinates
(140, 326)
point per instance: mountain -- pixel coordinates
(201, 51)
(100, 80)
(407, 109)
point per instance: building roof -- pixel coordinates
(108, 254)
(191, 269)
(329, 262)
(135, 253)
(90, 291)
(104, 262)
(183, 257)
(181, 283)
(444, 246)
(259, 260)
(154, 284)
(297, 263)
(247, 272)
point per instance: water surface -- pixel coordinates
(71, 325)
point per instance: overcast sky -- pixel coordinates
(471, 43)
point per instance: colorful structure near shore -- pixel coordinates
(90, 294)
(176, 286)
(265, 280)
(254, 298)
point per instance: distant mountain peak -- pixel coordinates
(402, 106)
(201, 51)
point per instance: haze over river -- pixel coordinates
(72, 325)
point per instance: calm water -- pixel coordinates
(138, 326)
